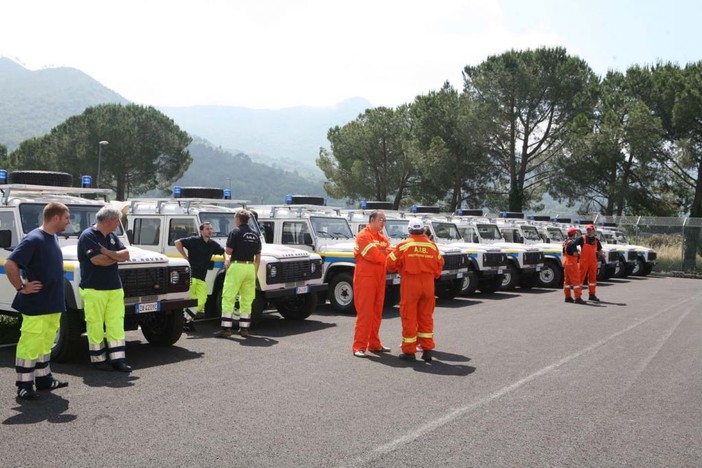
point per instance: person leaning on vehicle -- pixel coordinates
(200, 250)
(41, 300)
(244, 255)
(99, 251)
(419, 262)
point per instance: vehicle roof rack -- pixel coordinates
(186, 203)
(7, 190)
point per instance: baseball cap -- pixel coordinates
(572, 231)
(590, 226)
(415, 225)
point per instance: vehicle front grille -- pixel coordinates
(532, 258)
(652, 255)
(612, 256)
(144, 281)
(631, 256)
(493, 259)
(291, 272)
(454, 261)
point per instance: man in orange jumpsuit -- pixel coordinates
(571, 269)
(370, 251)
(419, 262)
(591, 250)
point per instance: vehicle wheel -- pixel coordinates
(54, 179)
(297, 307)
(392, 296)
(510, 278)
(257, 308)
(551, 275)
(68, 343)
(620, 271)
(202, 192)
(213, 306)
(341, 293)
(491, 284)
(163, 328)
(470, 283)
(529, 280)
(448, 289)
(648, 269)
(639, 267)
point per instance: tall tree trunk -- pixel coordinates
(693, 233)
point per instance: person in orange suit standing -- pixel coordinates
(370, 251)
(571, 270)
(419, 263)
(591, 250)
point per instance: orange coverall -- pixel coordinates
(370, 250)
(571, 272)
(588, 263)
(419, 262)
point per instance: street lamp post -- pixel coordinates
(100, 145)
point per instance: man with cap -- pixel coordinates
(590, 251)
(419, 262)
(370, 251)
(571, 269)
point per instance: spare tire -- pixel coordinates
(54, 179)
(202, 192)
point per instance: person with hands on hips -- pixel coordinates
(40, 299)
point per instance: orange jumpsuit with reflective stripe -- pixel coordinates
(419, 262)
(370, 250)
(571, 272)
(588, 263)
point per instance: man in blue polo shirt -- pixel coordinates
(41, 300)
(99, 251)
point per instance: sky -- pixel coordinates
(272, 54)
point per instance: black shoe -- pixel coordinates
(224, 333)
(27, 394)
(569, 299)
(53, 385)
(382, 349)
(199, 315)
(580, 301)
(122, 367)
(593, 298)
(426, 355)
(244, 332)
(407, 357)
(103, 366)
(189, 326)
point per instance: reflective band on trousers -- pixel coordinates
(409, 340)
(425, 335)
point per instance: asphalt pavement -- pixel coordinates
(519, 379)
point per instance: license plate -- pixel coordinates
(302, 290)
(500, 271)
(148, 307)
(538, 268)
(396, 280)
(459, 275)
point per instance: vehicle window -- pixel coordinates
(223, 223)
(331, 228)
(147, 231)
(556, 234)
(294, 232)
(446, 231)
(268, 228)
(82, 217)
(489, 232)
(530, 233)
(396, 229)
(509, 235)
(180, 228)
(7, 221)
(469, 234)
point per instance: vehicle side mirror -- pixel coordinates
(5, 238)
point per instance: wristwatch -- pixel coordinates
(21, 287)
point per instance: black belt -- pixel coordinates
(242, 261)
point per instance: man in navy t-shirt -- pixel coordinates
(41, 300)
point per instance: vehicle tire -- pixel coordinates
(639, 267)
(257, 307)
(551, 275)
(297, 307)
(510, 278)
(68, 337)
(491, 284)
(620, 271)
(648, 269)
(470, 283)
(202, 192)
(341, 293)
(392, 296)
(448, 289)
(54, 179)
(529, 280)
(163, 328)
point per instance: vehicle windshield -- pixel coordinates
(396, 229)
(621, 237)
(446, 231)
(530, 233)
(555, 234)
(82, 217)
(468, 234)
(223, 223)
(489, 232)
(327, 227)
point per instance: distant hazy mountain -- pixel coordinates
(33, 102)
(290, 137)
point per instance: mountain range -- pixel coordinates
(255, 146)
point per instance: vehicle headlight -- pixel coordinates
(175, 277)
(273, 271)
(313, 267)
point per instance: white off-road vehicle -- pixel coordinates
(646, 259)
(289, 279)
(156, 288)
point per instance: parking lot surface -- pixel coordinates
(519, 379)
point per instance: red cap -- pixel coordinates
(572, 231)
(590, 226)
